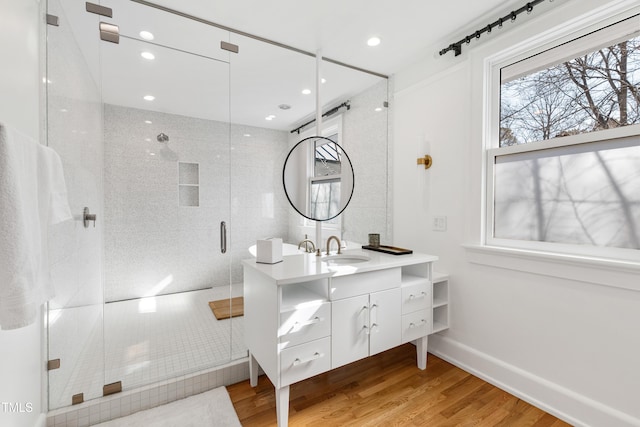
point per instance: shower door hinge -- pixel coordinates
(109, 33)
(53, 364)
(77, 398)
(112, 388)
(99, 10)
(52, 20)
(229, 46)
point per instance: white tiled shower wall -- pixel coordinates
(153, 246)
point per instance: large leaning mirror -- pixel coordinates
(318, 178)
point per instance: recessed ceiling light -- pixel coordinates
(306, 91)
(148, 55)
(146, 35)
(247, 135)
(270, 117)
(284, 106)
(149, 97)
(148, 122)
(323, 80)
(378, 109)
(373, 41)
(64, 110)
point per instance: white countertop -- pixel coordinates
(306, 267)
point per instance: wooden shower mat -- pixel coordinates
(223, 310)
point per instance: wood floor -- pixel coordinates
(389, 390)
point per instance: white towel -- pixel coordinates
(32, 196)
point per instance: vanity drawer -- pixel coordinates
(304, 324)
(416, 325)
(364, 283)
(416, 297)
(305, 360)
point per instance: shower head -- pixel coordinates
(163, 137)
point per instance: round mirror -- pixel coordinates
(318, 178)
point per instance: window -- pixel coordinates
(325, 177)
(325, 183)
(566, 174)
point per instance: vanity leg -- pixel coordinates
(253, 371)
(282, 406)
(421, 352)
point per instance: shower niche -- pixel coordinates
(164, 150)
(188, 184)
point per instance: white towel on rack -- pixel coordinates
(32, 196)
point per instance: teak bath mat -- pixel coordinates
(223, 310)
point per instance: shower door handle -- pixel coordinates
(223, 237)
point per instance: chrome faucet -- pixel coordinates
(306, 245)
(329, 244)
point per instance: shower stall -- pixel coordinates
(172, 172)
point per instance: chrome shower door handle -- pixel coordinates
(223, 237)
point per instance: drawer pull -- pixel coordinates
(315, 356)
(422, 295)
(413, 325)
(308, 322)
(375, 328)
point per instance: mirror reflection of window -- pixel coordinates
(327, 157)
(324, 194)
(325, 197)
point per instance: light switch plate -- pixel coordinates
(440, 223)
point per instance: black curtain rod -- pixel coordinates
(457, 46)
(334, 110)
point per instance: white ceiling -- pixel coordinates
(247, 87)
(340, 28)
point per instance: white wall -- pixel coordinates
(21, 366)
(569, 345)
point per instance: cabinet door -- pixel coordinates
(349, 330)
(385, 320)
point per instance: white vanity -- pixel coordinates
(308, 314)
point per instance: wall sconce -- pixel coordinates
(427, 161)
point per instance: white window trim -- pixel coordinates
(533, 257)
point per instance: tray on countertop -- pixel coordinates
(388, 249)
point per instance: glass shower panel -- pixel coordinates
(74, 131)
(166, 177)
(266, 101)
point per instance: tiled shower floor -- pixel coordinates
(146, 340)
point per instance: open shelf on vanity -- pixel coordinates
(313, 292)
(440, 302)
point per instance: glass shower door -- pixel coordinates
(166, 145)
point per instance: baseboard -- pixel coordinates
(574, 408)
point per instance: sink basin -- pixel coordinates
(345, 259)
